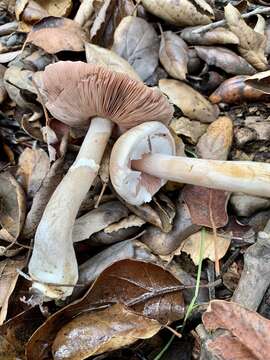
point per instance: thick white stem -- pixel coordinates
(53, 259)
(235, 176)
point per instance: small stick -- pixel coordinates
(214, 25)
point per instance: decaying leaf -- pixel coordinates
(260, 81)
(12, 204)
(28, 12)
(102, 331)
(173, 55)
(103, 10)
(15, 333)
(98, 55)
(193, 130)
(225, 59)
(204, 204)
(54, 34)
(218, 36)
(137, 41)
(181, 13)
(189, 101)
(215, 144)
(8, 279)
(247, 332)
(41, 198)
(130, 221)
(146, 288)
(98, 219)
(252, 44)
(191, 246)
(236, 91)
(3, 91)
(30, 9)
(34, 165)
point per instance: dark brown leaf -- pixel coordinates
(146, 288)
(204, 203)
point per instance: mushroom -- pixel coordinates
(143, 159)
(79, 94)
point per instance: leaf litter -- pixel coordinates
(192, 261)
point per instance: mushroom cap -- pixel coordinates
(134, 186)
(74, 92)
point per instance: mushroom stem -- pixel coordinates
(53, 260)
(242, 176)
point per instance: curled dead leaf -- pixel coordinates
(225, 59)
(189, 101)
(260, 81)
(182, 13)
(193, 130)
(54, 34)
(98, 55)
(252, 44)
(13, 204)
(218, 36)
(101, 331)
(215, 144)
(235, 90)
(137, 41)
(173, 55)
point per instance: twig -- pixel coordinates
(173, 331)
(214, 25)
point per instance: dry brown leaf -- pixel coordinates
(98, 332)
(3, 91)
(236, 91)
(204, 203)
(215, 144)
(54, 34)
(103, 11)
(247, 336)
(173, 55)
(225, 59)
(252, 44)
(98, 55)
(193, 130)
(129, 221)
(191, 246)
(12, 204)
(146, 288)
(182, 13)
(260, 81)
(34, 165)
(15, 333)
(218, 36)
(189, 101)
(137, 41)
(8, 279)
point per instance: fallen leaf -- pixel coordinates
(97, 55)
(34, 165)
(236, 91)
(9, 56)
(260, 81)
(103, 11)
(191, 246)
(189, 101)
(146, 288)
(3, 91)
(247, 335)
(28, 12)
(173, 55)
(225, 59)
(130, 221)
(252, 44)
(15, 333)
(41, 198)
(204, 203)
(8, 279)
(55, 34)
(12, 204)
(137, 41)
(216, 143)
(218, 36)
(193, 130)
(98, 219)
(182, 13)
(101, 331)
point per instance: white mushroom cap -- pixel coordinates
(148, 138)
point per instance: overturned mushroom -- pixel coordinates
(142, 160)
(80, 94)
